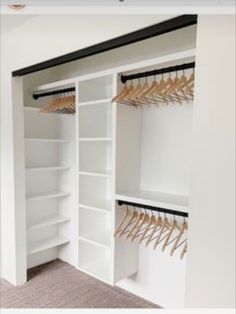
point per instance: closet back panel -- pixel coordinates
(166, 148)
(95, 157)
(94, 120)
(95, 89)
(37, 212)
(41, 154)
(42, 257)
(40, 125)
(94, 189)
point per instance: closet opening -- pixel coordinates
(91, 140)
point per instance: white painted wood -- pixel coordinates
(211, 257)
(46, 140)
(55, 168)
(96, 102)
(95, 190)
(95, 226)
(38, 246)
(44, 114)
(50, 221)
(156, 199)
(106, 209)
(98, 269)
(95, 139)
(94, 120)
(95, 174)
(18, 271)
(54, 194)
(95, 260)
(95, 156)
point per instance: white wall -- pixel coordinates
(36, 40)
(211, 254)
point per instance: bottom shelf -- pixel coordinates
(95, 261)
(98, 269)
(46, 244)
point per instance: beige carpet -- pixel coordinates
(59, 285)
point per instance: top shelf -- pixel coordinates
(95, 102)
(157, 199)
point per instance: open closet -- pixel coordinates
(104, 142)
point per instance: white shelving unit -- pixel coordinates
(77, 167)
(49, 151)
(95, 177)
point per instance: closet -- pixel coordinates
(83, 168)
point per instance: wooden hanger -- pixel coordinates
(182, 230)
(150, 225)
(119, 228)
(173, 227)
(125, 95)
(164, 229)
(130, 222)
(184, 251)
(141, 224)
(123, 91)
(157, 227)
(137, 221)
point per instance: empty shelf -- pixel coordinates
(31, 108)
(95, 139)
(101, 238)
(99, 269)
(54, 168)
(95, 174)
(43, 245)
(50, 222)
(95, 208)
(156, 199)
(46, 140)
(48, 195)
(96, 204)
(96, 102)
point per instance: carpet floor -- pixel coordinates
(59, 285)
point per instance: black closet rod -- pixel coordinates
(157, 209)
(185, 66)
(54, 92)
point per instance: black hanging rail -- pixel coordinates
(54, 92)
(185, 66)
(157, 209)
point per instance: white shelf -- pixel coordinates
(102, 205)
(55, 85)
(102, 210)
(37, 110)
(54, 194)
(95, 139)
(95, 174)
(156, 199)
(46, 140)
(55, 168)
(98, 238)
(95, 102)
(42, 245)
(50, 222)
(99, 269)
(32, 108)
